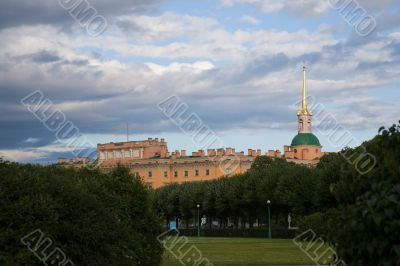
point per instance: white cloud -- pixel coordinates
(298, 8)
(250, 20)
(22, 155)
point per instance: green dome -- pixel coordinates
(305, 139)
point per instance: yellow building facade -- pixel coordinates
(151, 160)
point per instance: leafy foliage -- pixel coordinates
(366, 231)
(94, 218)
(243, 197)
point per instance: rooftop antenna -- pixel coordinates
(127, 132)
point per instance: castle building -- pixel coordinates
(151, 160)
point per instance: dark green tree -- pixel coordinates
(94, 218)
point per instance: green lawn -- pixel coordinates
(242, 251)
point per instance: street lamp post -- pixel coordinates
(269, 220)
(198, 220)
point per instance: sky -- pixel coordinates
(235, 64)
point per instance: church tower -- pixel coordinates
(305, 144)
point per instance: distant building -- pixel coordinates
(151, 159)
(75, 162)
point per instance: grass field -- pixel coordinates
(244, 251)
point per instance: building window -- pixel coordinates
(176, 174)
(295, 150)
(150, 174)
(127, 154)
(196, 172)
(228, 171)
(110, 155)
(186, 173)
(102, 155)
(165, 174)
(207, 171)
(135, 153)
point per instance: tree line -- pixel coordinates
(243, 198)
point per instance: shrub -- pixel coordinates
(318, 222)
(282, 233)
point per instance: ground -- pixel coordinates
(242, 251)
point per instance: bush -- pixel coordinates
(318, 223)
(94, 218)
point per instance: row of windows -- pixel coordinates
(186, 173)
(119, 154)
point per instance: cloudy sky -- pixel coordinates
(235, 63)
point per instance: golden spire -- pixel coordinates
(304, 109)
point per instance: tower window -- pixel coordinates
(165, 174)
(186, 173)
(207, 172)
(196, 172)
(295, 150)
(175, 173)
(150, 174)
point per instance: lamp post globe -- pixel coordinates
(269, 220)
(198, 220)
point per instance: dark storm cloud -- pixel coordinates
(27, 12)
(15, 133)
(45, 57)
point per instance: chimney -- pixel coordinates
(286, 148)
(278, 154)
(211, 152)
(183, 153)
(271, 153)
(258, 152)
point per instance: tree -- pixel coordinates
(365, 231)
(94, 218)
(261, 163)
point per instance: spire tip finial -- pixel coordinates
(304, 109)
